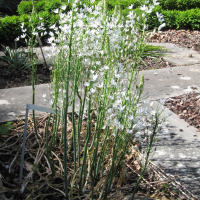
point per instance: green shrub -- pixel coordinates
(170, 18)
(175, 19)
(152, 19)
(40, 6)
(188, 19)
(10, 28)
(179, 4)
(123, 3)
(24, 7)
(10, 25)
(52, 5)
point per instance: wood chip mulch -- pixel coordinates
(183, 38)
(187, 107)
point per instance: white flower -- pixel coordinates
(113, 82)
(130, 7)
(51, 102)
(53, 26)
(92, 90)
(34, 32)
(56, 11)
(94, 77)
(161, 26)
(106, 67)
(40, 18)
(155, 2)
(86, 84)
(98, 62)
(17, 39)
(129, 131)
(160, 17)
(117, 103)
(100, 85)
(153, 112)
(23, 36)
(22, 25)
(92, 71)
(131, 117)
(51, 34)
(143, 8)
(121, 108)
(24, 30)
(146, 9)
(117, 75)
(44, 95)
(63, 7)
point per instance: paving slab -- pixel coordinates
(178, 55)
(178, 153)
(178, 150)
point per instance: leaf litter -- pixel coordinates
(38, 182)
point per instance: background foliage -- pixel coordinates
(178, 14)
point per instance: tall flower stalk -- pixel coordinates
(101, 75)
(95, 74)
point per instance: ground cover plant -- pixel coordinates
(95, 72)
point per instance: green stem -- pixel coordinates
(83, 166)
(147, 158)
(66, 104)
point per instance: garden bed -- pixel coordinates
(38, 182)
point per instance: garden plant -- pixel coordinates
(95, 74)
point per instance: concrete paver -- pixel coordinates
(178, 151)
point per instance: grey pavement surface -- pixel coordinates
(178, 151)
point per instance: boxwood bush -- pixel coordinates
(25, 7)
(10, 27)
(177, 14)
(176, 19)
(179, 4)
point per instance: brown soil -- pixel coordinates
(11, 77)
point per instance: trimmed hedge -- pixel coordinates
(179, 4)
(10, 26)
(175, 19)
(25, 7)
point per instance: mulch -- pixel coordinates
(187, 107)
(183, 38)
